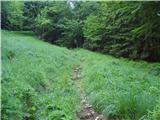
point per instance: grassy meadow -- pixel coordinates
(37, 85)
(120, 88)
(36, 79)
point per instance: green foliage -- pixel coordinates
(83, 9)
(127, 29)
(4, 14)
(42, 88)
(30, 12)
(50, 19)
(72, 35)
(36, 80)
(12, 15)
(155, 114)
(120, 88)
(36, 76)
(93, 31)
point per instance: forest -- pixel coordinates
(80, 60)
(122, 29)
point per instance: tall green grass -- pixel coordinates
(36, 79)
(120, 88)
(36, 82)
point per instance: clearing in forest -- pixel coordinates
(43, 81)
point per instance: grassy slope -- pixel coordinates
(36, 82)
(122, 88)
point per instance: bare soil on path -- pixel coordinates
(87, 112)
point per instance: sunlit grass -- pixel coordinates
(121, 88)
(36, 79)
(36, 82)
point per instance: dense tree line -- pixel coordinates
(127, 29)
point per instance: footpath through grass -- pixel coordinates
(37, 82)
(120, 88)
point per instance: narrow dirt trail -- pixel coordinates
(87, 112)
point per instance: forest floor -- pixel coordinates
(44, 81)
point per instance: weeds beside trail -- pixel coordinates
(86, 111)
(41, 81)
(121, 89)
(36, 82)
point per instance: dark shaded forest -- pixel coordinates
(122, 29)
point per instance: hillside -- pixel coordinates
(36, 80)
(127, 29)
(40, 82)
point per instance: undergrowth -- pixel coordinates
(36, 79)
(37, 85)
(120, 88)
